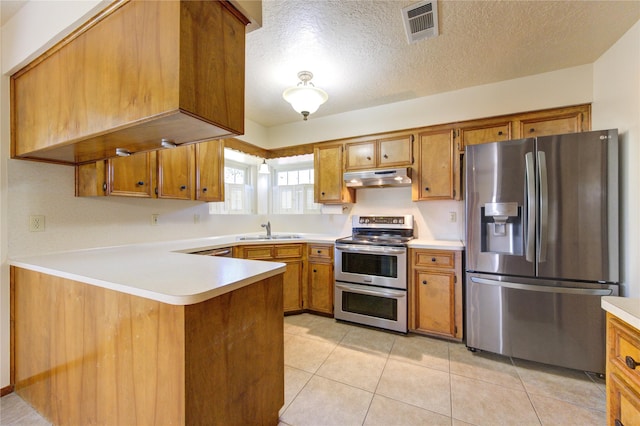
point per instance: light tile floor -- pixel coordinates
(343, 374)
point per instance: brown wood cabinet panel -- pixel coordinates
(89, 355)
(259, 252)
(320, 251)
(485, 133)
(555, 122)
(624, 402)
(360, 155)
(80, 101)
(175, 172)
(210, 170)
(132, 176)
(292, 286)
(396, 151)
(434, 259)
(328, 170)
(91, 179)
(281, 251)
(320, 294)
(436, 297)
(435, 177)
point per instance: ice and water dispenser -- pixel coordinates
(502, 228)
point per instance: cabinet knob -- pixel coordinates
(140, 183)
(500, 133)
(319, 251)
(385, 156)
(424, 282)
(104, 186)
(322, 193)
(204, 189)
(426, 188)
(315, 270)
(433, 259)
(183, 187)
(617, 422)
(631, 363)
(531, 130)
(368, 158)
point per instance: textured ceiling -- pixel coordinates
(358, 51)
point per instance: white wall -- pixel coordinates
(36, 188)
(616, 104)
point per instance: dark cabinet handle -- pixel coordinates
(385, 156)
(500, 133)
(531, 130)
(426, 188)
(183, 187)
(140, 183)
(424, 282)
(104, 186)
(204, 189)
(315, 270)
(618, 423)
(433, 259)
(631, 363)
(319, 251)
(368, 158)
(322, 193)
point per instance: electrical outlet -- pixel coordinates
(453, 217)
(154, 218)
(36, 223)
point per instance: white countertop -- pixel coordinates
(166, 272)
(625, 308)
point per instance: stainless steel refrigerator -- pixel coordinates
(542, 247)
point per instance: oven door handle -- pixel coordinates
(397, 294)
(386, 250)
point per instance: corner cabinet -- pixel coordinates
(435, 293)
(329, 185)
(435, 168)
(290, 254)
(186, 172)
(623, 373)
(319, 295)
(136, 73)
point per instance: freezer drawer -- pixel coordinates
(557, 325)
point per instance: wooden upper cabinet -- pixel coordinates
(132, 176)
(568, 120)
(435, 166)
(210, 170)
(380, 153)
(329, 185)
(175, 173)
(138, 72)
(484, 133)
(360, 155)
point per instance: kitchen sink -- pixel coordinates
(272, 237)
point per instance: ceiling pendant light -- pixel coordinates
(305, 98)
(264, 168)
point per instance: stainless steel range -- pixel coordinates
(371, 272)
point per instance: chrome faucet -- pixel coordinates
(268, 227)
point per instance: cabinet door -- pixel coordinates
(175, 172)
(435, 166)
(395, 151)
(210, 171)
(623, 403)
(329, 185)
(435, 302)
(292, 286)
(131, 176)
(484, 134)
(558, 125)
(360, 155)
(320, 287)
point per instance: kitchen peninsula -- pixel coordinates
(148, 334)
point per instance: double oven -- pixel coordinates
(371, 272)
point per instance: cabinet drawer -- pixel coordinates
(624, 348)
(320, 251)
(281, 251)
(258, 252)
(439, 259)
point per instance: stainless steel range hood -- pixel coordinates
(378, 178)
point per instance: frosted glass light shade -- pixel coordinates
(305, 98)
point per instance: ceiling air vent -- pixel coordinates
(421, 20)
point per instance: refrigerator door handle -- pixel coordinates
(544, 207)
(530, 208)
(545, 289)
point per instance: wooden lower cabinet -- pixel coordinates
(435, 293)
(623, 373)
(293, 256)
(319, 295)
(88, 355)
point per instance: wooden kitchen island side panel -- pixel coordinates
(89, 355)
